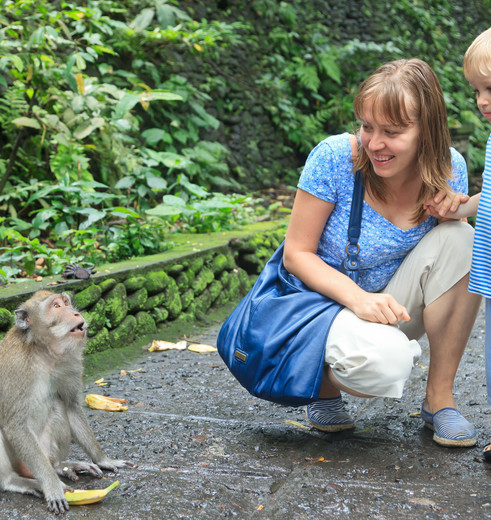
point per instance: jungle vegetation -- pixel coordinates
(124, 122)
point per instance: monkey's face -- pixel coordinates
(50, 319)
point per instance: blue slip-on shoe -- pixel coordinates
(451, 428)
(329, 415)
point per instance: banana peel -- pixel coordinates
(160, 345)
(109, 404)
(201, 348)
(82, 497)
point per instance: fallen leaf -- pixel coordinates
(295, 423)
(201, 348)
(260, 508)
(99, 381)
(423, 501)
(126, 372)
(160, 345)
(414, 414)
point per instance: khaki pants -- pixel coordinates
(376, 359)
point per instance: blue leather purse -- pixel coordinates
(274, 341)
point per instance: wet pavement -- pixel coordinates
(207, 450)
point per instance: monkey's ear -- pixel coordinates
(22, 319)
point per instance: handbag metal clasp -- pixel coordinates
(240, 356)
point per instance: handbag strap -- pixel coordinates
(351, 263)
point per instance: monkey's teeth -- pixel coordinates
(78, 328)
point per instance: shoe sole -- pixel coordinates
(332, 428)
(452, 443)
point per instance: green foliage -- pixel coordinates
(124, 122)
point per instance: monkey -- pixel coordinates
(41, 390)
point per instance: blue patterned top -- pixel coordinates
(480, 278)
(328, 174)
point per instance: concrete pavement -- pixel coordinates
(207, 450)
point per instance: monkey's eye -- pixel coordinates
(56, 305)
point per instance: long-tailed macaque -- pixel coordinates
(41, 401)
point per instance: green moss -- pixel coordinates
(124, 333)
(96, 317)
(107, 284)
(172, 300)
(145, 323)
(137, 300)
(116, 305)
(6, 319)
(187, 298)
(134, 283)
(156, 281)
(196, 263)
(160, 314)
(99, 342)
(175, 269)
(215, 289)
(90, 295)
(154, 301)
(245, 281)
(225, 278)
(185, 280)
(202, 302)
(204, 278)
(219, 264)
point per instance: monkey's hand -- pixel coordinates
(57, 502)
(69, 469)
(114, 465)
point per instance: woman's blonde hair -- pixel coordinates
(477, 58)
(406, 92)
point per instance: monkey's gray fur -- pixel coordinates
(41, 401)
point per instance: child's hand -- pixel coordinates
(443, 203)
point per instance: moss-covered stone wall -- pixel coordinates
(131, 300)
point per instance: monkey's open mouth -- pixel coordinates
(79, 327)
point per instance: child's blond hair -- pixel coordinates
(477, 58)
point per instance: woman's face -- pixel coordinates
(392, 150)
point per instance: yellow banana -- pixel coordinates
(101, 402)
(81, 497)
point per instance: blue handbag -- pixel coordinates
(274, 341)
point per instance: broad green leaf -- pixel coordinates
(125, 104)
(172, 200)
(87, 127)
(163, 210)
(93, 215)
(193, 188)
(119, 211)
(165, 16)
(27, 121)
(17, 62)
(143, 20)
(153, 135)
(156, 183)
(125, 183)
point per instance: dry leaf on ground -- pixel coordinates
(201, 348)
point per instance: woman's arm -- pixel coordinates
(309, 216)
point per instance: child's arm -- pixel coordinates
(467, 209)
(454, 206)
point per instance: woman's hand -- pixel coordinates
(444, 202)
(379, 308)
